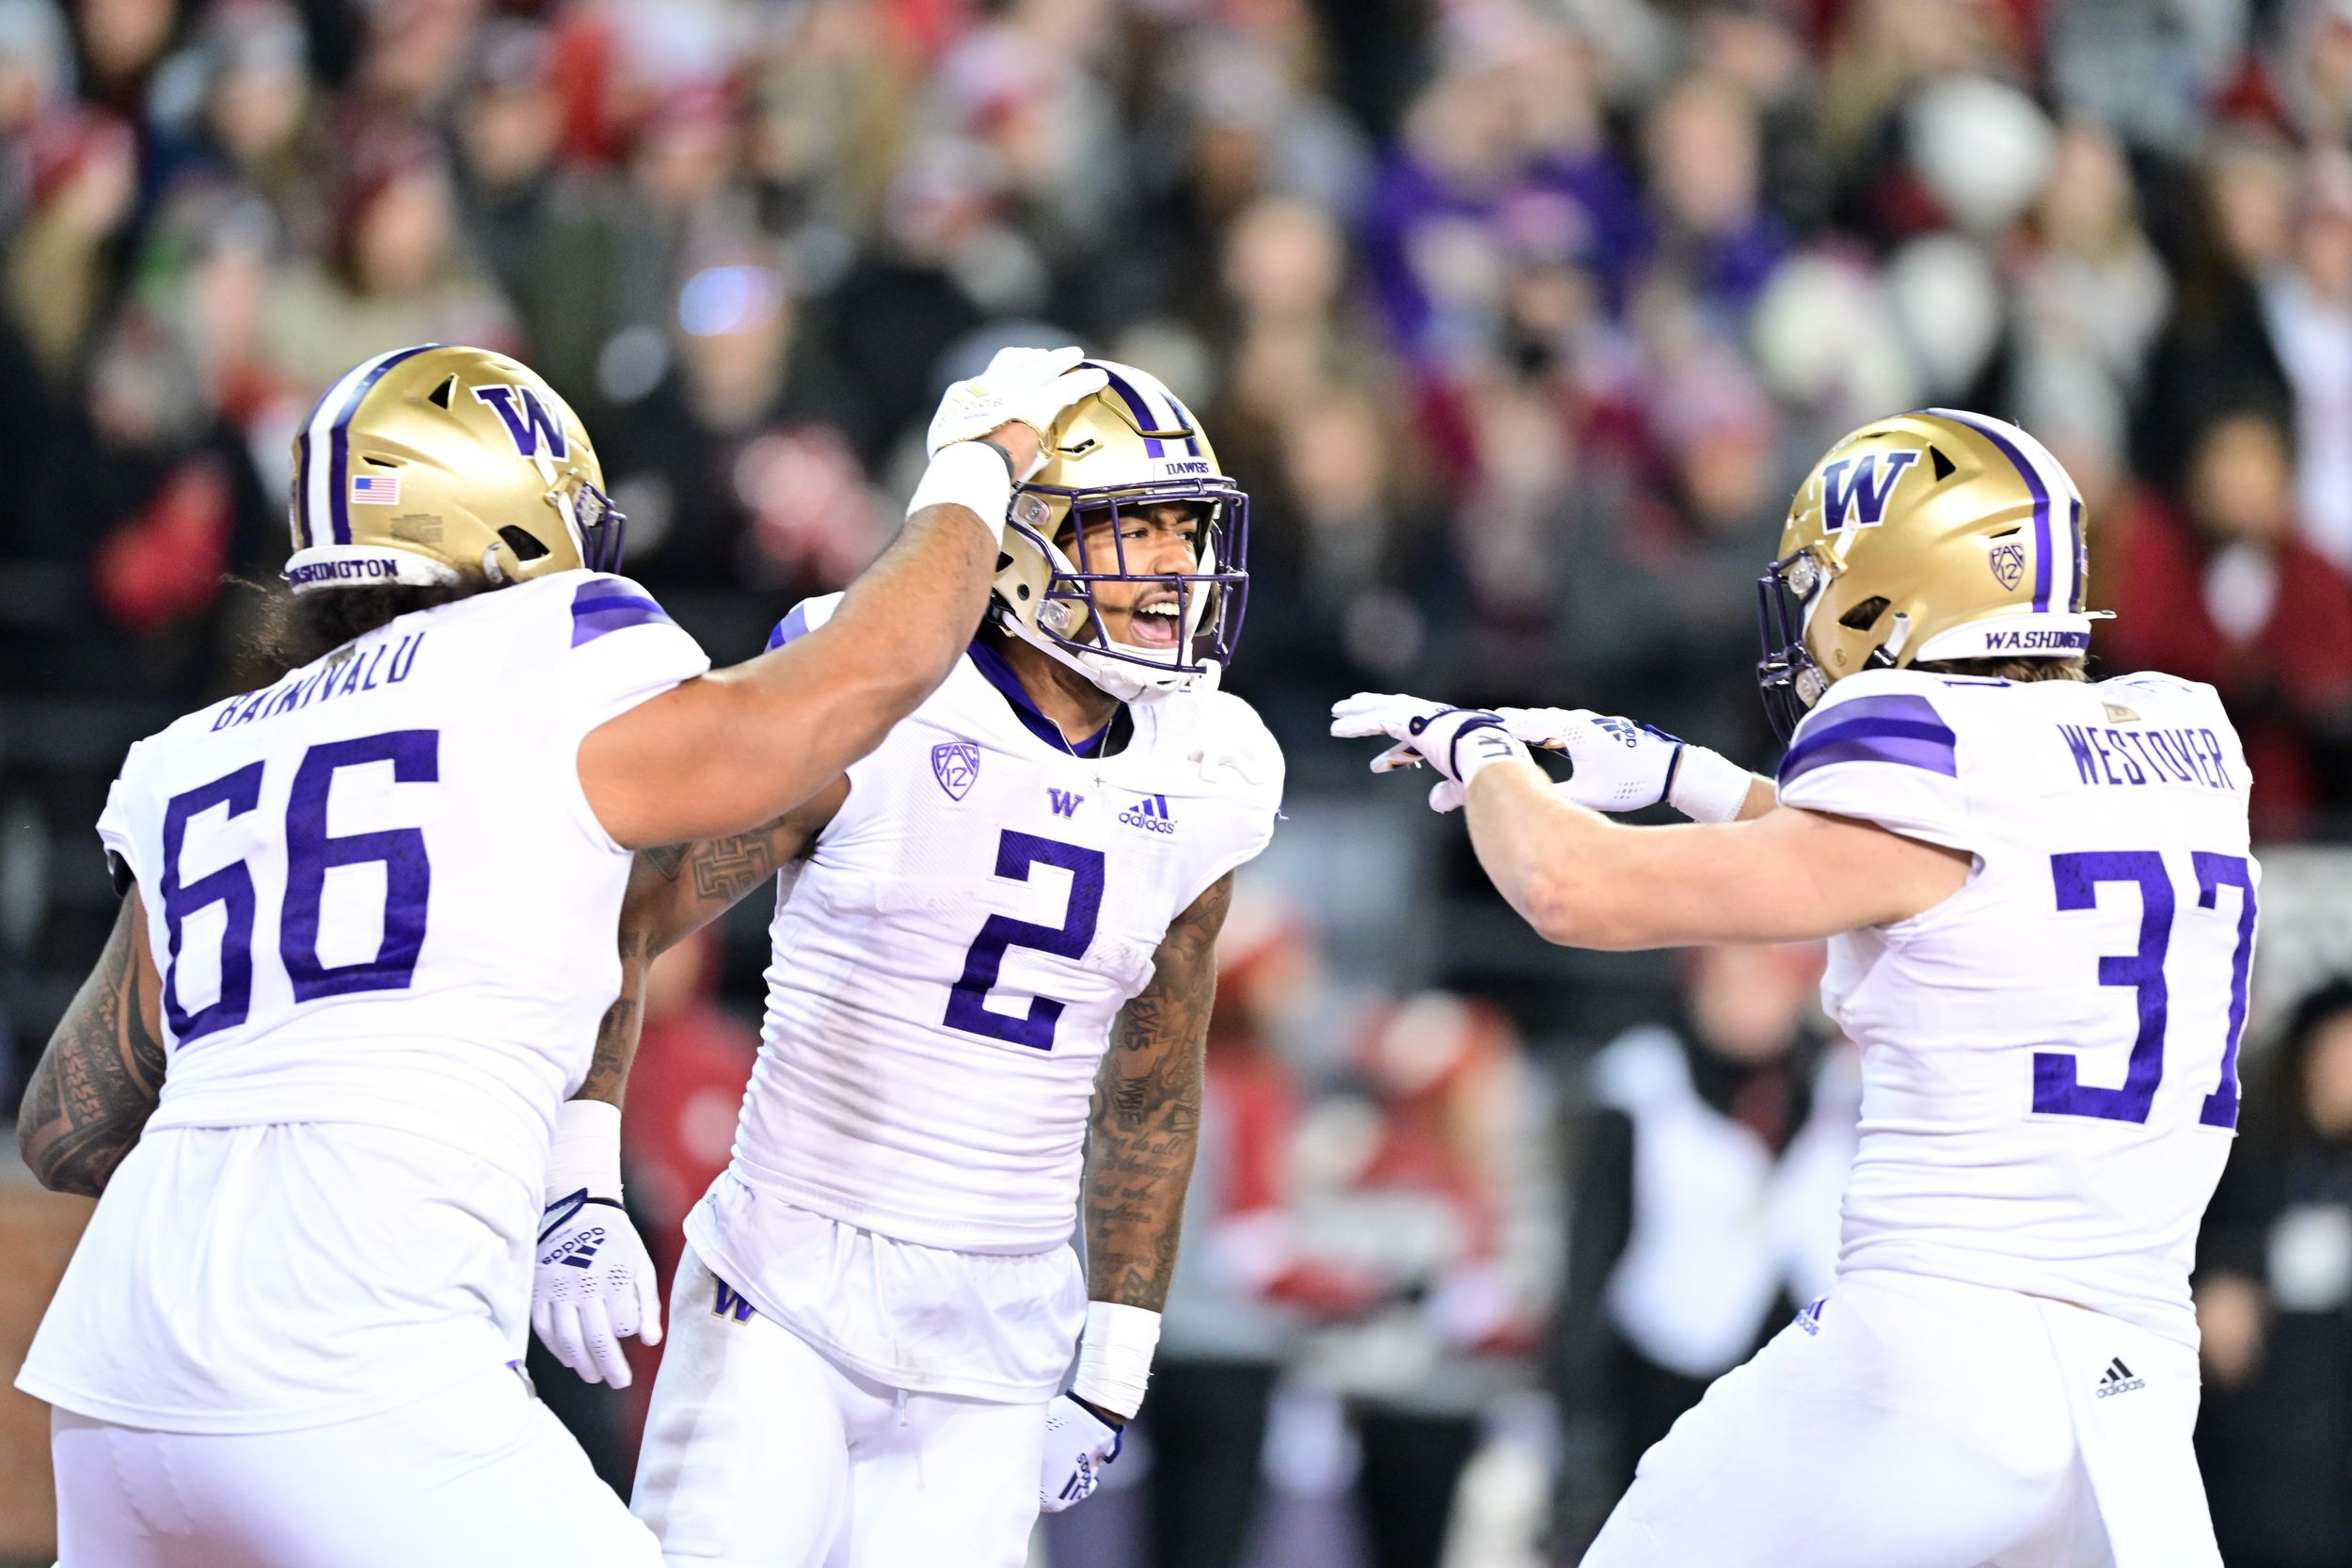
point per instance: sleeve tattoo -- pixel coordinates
(673, 891)
(1147, 1115)
(95, 1087)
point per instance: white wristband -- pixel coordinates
(1707, 786)
(586, 1152)
(970, 474)
(1115, 1356)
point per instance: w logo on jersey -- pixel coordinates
(1150, 813)
(1065, 801)
(730, 1300)
(530, 422)
(956, 764)
(1854, 490)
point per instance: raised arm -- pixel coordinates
(1788, 875)
(97, 1083)
(718, 754)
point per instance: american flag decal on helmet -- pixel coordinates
(375, 489)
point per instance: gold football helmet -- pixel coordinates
(1131, 444)
(438, 462)
(1935, 535)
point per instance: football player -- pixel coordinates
(988, 1001)
(365, 935)
(2041, 910)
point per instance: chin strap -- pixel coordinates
(1113, 681)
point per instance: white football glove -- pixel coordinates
(1455, 741)
(1624, 766)
(593, 1287)
(1078, 1445)
(1021, 386)
(591, 1283)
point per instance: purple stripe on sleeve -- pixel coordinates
(1934, 756)
(599, 608)
(792, 628)
(1896, 727)
(2033, 486)
(1153, 445)
(339, 443)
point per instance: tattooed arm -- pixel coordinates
(96, 1086)
(676, 891)
(1147, 1114)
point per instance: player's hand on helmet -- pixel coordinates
(1621, 765)
(1455, 741)
(1079, 1443)
(592, 1286)
(1021, 386)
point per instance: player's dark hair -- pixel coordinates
(296, 628)
(2022, 671)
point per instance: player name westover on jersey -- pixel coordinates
(388, 664)
(2125, 755)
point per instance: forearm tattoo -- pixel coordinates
(1147, 1115)
(97, 1083)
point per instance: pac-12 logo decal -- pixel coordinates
(957, 766)
(532, 423)
(1855, 490)
(2008, 565)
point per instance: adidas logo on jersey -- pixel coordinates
(2119, 1379)
(1150, 813)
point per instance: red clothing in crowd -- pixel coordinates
(2292, 675)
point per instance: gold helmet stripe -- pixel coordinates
(324, 474)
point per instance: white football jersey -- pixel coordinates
(384, 914)
(2050, 1055)
(949, 959)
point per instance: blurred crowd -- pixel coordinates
(1518, 320)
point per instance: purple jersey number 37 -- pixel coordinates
(2057, 1088)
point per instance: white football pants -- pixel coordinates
(1924, 1423)
(479, 1476)
(762, 1452)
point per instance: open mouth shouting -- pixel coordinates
(1154, 622)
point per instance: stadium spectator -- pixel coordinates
(2233, 595)
(1705, 1207)
(2274, 1302)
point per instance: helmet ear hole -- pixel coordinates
(526, 545)
(1862, 615)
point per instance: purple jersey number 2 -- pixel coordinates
(2057, 1088)
(1016, 852)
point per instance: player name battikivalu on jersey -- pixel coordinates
(2050, 1055)
(384, 916)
